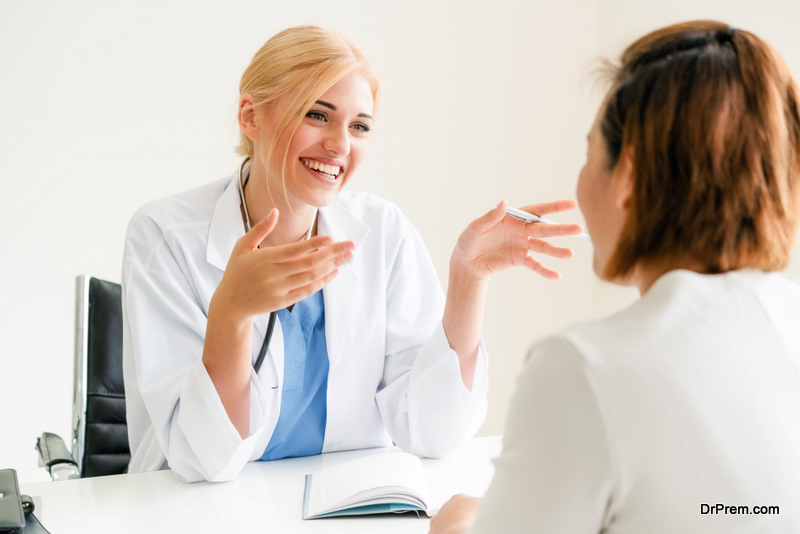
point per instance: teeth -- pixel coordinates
(333, 170)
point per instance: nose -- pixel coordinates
(337, 141)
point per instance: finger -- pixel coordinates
(487, 221)
(539, 268)
(315, 258)
(261, 230)
(543, 247)
(304, 278)
(550, 207)
(311, 276)
(292, 251)
(298, 294)
(552, 230)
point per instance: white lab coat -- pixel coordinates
(392, 377)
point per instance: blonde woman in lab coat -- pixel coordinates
(365, 349)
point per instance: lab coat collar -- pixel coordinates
(226, 226)
(341, 224)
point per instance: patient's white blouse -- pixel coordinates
(646, 421)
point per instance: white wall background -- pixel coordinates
(106, 105)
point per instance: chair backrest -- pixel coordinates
(100, 430)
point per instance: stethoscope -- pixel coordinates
(247, 226)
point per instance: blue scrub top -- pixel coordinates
(304, 408)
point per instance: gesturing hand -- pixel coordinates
(497, 241)
(261, 280)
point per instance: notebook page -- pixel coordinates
(337, 483)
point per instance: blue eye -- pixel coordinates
(361, 127)
(316, 115)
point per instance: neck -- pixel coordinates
(295, 217)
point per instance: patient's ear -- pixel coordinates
(623, 179)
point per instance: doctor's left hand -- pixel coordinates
(497, 241)
(490, 244)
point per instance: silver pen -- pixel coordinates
(530, 217)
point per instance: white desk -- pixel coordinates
(267, 497)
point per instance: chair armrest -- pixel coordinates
(56, 457)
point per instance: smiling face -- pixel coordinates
(329, 145)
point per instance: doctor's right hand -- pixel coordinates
(261, 280)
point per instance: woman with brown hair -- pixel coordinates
(681, 413)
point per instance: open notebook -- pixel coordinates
(392, 482)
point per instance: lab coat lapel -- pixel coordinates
(226, 227)
(342, 225)
(275, 351)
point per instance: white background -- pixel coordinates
(107, 105)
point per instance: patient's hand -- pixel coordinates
(456, 515)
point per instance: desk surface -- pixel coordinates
(267, 497)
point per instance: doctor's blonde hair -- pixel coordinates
(302, 62)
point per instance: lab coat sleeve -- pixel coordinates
(555, 472)
(424, 404)
(170, 393)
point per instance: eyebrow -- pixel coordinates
(332, 107)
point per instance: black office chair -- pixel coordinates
(99, 428)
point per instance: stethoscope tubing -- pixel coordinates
(265, 345)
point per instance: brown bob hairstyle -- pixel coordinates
(709, 115)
